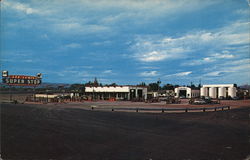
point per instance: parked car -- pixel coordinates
(163, 98)
(199, 101)
(221, 97)
(235, 98)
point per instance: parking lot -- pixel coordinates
(69, 131)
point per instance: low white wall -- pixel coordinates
(107, 89)
(45, 96)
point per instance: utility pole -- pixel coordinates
(159, 82)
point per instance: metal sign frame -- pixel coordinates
(21, 80)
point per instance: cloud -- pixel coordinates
(76, 28)
(207, 59)
(241, 66)
(75, 74)
(100, 16)
(28, 60)
(243, 11)
(237, 62)
(154, 48)
(180, 74)
(44, 36)
(104, 43)
(78, 67)
(23, 8)
(159, 33)
(153, 56)
(213, 58)
(149, 74)
(216, 73)
(199, 62)
(64, 48)
(145, 9)
(68, 26)
(149, 67)
(73, 45)
(241, 71)
(107, 72)
(218, 55)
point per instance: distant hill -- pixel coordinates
(246, 86)
(43, 85)
(54, 85)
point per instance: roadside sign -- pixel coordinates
(21, 80)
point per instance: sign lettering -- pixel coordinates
(22, 80)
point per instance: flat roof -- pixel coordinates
(219, 85)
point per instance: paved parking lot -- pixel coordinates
(64, 131)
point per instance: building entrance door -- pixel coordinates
(183, 93)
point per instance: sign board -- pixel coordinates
(21, 80)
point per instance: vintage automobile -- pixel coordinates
(199, 101)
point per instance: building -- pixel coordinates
(56, 97)
(219, 90)
(117, 92)
(186, 92)
(152, 95)
(243, 93)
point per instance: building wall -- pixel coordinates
(178, 89)
(153, 94)
(195, 93)
(219, 90)
(117, 92)
(190, 93)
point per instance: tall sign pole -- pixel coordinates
(5, 74)
(39, 76)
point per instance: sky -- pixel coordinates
(127, 41)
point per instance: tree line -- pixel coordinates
(77, 87)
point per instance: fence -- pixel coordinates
(164, 109)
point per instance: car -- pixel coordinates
(199, 101)
(221, 97)
(163, 98)
(235, 98)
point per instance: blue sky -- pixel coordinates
(127, 41)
